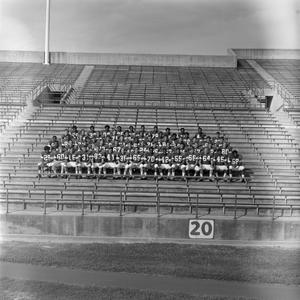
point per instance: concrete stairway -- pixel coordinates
(261, 71)
(80, 83)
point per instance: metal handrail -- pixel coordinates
(235, 205)
(288, 98)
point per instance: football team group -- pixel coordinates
(163, 154)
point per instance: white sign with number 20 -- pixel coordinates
(201, 229)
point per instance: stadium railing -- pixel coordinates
(122, 200)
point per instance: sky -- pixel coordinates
(151, 26)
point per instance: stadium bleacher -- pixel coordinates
(18, 79)
(168, 86)
(172, 97)
(286, 72)
(8, 112)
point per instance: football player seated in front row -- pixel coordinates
(236, 165)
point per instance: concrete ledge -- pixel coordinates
(65, 239)
(226, 61)
(147, 227)
(266, 53)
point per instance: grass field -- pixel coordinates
(30, 290)
(249, 264)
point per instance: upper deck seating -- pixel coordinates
(286, 72)
(168, 86)
(18, 79)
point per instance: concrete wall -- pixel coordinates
(146, 227)
(277, 103)
(228, 61)
(266, 53)
(143, 59)
(21, 56)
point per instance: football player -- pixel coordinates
(122, 162)
(177, 163)
(181, 133)
(142, 131)
(143, 150)
(218, 139)
(152, 163)
(91, 133)
(74, 159)
(106, 131)
(53, 143)
(136, 163)
(131, 131)
(85, 161)
(119, 131)
(192, 162)
(235, 164)
(220, 164)
(98, 161)
(206, 164)
(45, 160)
(74, 132)
(199, 135)
(59, 161)
(165, 163)
(167, 133)
(110, 162)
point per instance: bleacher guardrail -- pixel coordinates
(123, 202)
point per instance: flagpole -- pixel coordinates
(47, 33)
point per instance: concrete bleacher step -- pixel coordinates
(290, 124)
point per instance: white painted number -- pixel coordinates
(201, 229)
